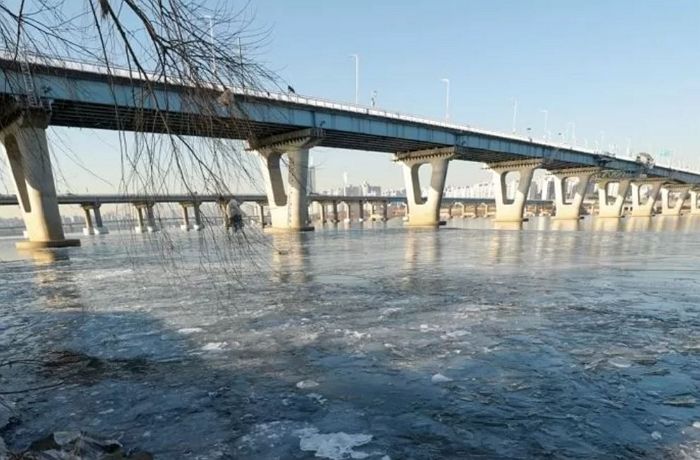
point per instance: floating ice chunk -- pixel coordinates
(336, 446)
(656, 435)
(696, 425)
(189, 330)
(439, 378)
(317, 397)
(620, 362)
(214, 346)
(305, 384)
(681, 401)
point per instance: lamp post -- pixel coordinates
(357, 77)
(211, 43)
(447, 97)
(546, 119)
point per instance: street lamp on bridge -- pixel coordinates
(447, 97)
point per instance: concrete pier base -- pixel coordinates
(93, 227)
(644, 207)
(425, 212)
(694, 207)
(288, 208)
(145, 218)
(607, 208)
(570, 209)
(681, 193)
(29, 161)
(511, 209)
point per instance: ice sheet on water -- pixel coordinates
(214, 346)
(439, 378)
(189, 330)
(335, 446)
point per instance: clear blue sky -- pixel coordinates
(628, 68)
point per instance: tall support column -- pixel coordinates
(198, 224)
(606, 207)
(642, 207)
(335, 212)
(425, 212)
(88, 229)
(288, 208)
(322, 205)
(385, 211)
(694, 208)
(223, 207)
(93, 226)
(511, 209)
(140, 227)
(360, 211)
(30, 163)
(566, 209)
(99, 229)
(144, 211)
(185, 218)
(261, 209)
(666, 191)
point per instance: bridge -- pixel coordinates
(36, 92)
(328, 204)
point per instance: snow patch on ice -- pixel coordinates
(335, 446)
(305, 384)
(439, 378)
(214, 346)
(189, 330)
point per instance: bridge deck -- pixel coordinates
(89, 96)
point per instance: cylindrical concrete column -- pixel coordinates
(185, 218)
(88, 229)
(335, 212)
(30, 164)
(261, 209)
(198, 225)
(298, 166)
(140, 227)
(385, 211)
(361, 211)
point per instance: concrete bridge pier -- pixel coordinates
(385, 211)
(261, 211)
(29, 160)
(666, 194)
(360, 211)
(694, 208)
(288, 208)
(644, 207)
(567, 209)
(322, 207)
(511, 209)
(425, 212)
(334, 207)
(147, 225)
(606, 207)
(186, 223)
(93, 227)
(223, 207)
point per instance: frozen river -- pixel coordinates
(558, 340)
